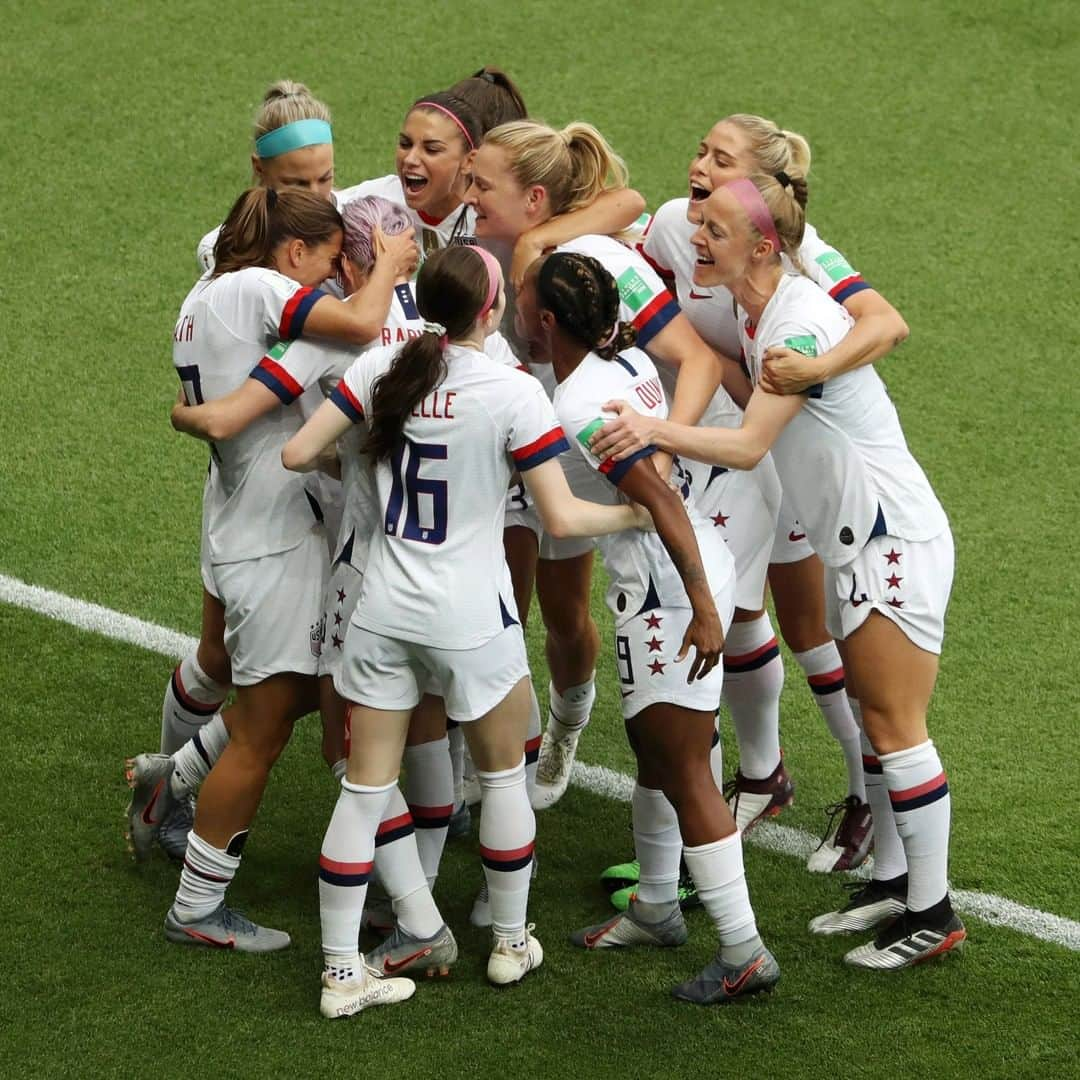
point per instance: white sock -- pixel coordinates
(507, 839)
(825, 674)
(338, 769)
(753, 679)
(717, 870)
(919, 792)
(191, 699)
(569, 711)
(455, 740)
(533, 739)
(397, 865)
(889, 858)
(429, 791)
(657, 844)
(345, 864)
(194, 760)
(205, 876)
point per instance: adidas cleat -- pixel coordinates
(510, 961)
(752, 801)
(720, 983)
(224, 928)
(401, 952)
(628, 930)
(151, 801)
(846, 842)
(873, 903)
(903, 943)
(347, 998)
(553, 767)
(172, 836)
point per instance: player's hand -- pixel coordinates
(785, 371)
(526, 251)
(628, 433)
(642, 518)
(400, 249)
(706, 634)
(328, 462)
(175, 414)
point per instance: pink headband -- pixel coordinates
(749, 198)
(494, 274)
(443, 109)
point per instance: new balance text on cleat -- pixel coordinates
(904, 943)
(224, 928)
(510, 961)
(872, 903)
(173, 834)
(628, 930)
(151, 801)
(752, 801)
(401, 952)
(346, 998)
(553, 767)
(848, 838)
(720, 983)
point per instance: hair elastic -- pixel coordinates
(457, 120)
(749, 198)
(494, 276)
(293, 136)
(610, 339)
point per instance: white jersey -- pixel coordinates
(642, 575)
(436, 572)
(252, 506)
(843, 460)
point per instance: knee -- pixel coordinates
(890, 729)
(568, 620)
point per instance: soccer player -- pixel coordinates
(446, 426)
(871, 515)
(523, 175)
(668, 592)
(736, 146)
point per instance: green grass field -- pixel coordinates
(945, 138)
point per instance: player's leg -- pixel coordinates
(429, 783)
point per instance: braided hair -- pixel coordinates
(584, 299)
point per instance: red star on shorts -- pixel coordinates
(337, 618)
(720, 519)
(656, 667)
(893, 581)
(892, 558)
(338, 642)
(893, 602)
(653, 622)
(654, 645)
(341, 596)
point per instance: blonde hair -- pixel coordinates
(785, 197)
(574, 165)
(286, 102)
(774, 149)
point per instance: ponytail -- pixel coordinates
(596, 166)
(773, 148)
(494, 97)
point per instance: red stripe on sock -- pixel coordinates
(919, 789)
(427, 813)
(533, 744)
(825, 677)
(336, 867)
(192, 703)
(389, 824)
(507, 856)
(745, 658)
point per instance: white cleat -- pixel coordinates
(341, 999)
(553, 766)
(510, 961)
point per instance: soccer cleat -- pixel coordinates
(846, 845)
(470, 790)
(873, 903)
(628, 930)
(553, 767)
(903, 943)
(224, 928)
(151, 801)
(687, 894)
(720, 983)
(346, 998)
(378, 916)
(511, 961)
(751, 801)
(480, 916)
(175, 826)
(401, 951)
(620, 875)
(460, 822)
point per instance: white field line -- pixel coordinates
(997, 910)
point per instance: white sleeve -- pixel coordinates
(828, 268)
(204, 253)
(534, 434)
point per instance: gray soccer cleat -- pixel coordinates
(460, 822)
(175, 826)
(720, 983)
(224, 928)
(903, 943)
(628, 930)
(401, 952)
(347, 998)
(151, 801)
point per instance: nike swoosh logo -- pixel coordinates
(794, 537)
(627, 693)
(228, 943)
(737, 985)
(700, 296)
(591, 939)
(390, 967)
(152, 803)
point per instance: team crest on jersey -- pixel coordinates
(317, 635)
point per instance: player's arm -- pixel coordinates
(224, 417)
(643, 484)
(734, 448)
(610, 213)
(564, 514)
(315, 443)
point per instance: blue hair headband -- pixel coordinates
(292, 137)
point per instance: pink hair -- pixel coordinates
(362, 216)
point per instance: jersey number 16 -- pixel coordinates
(406, 489)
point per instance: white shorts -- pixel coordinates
(645, 649)
(908, 581)
(385, 673)
(743, 506)
(273, 610)
(330, 499)
(790, 544)
(339, 603)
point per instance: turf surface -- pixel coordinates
(944, 140)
